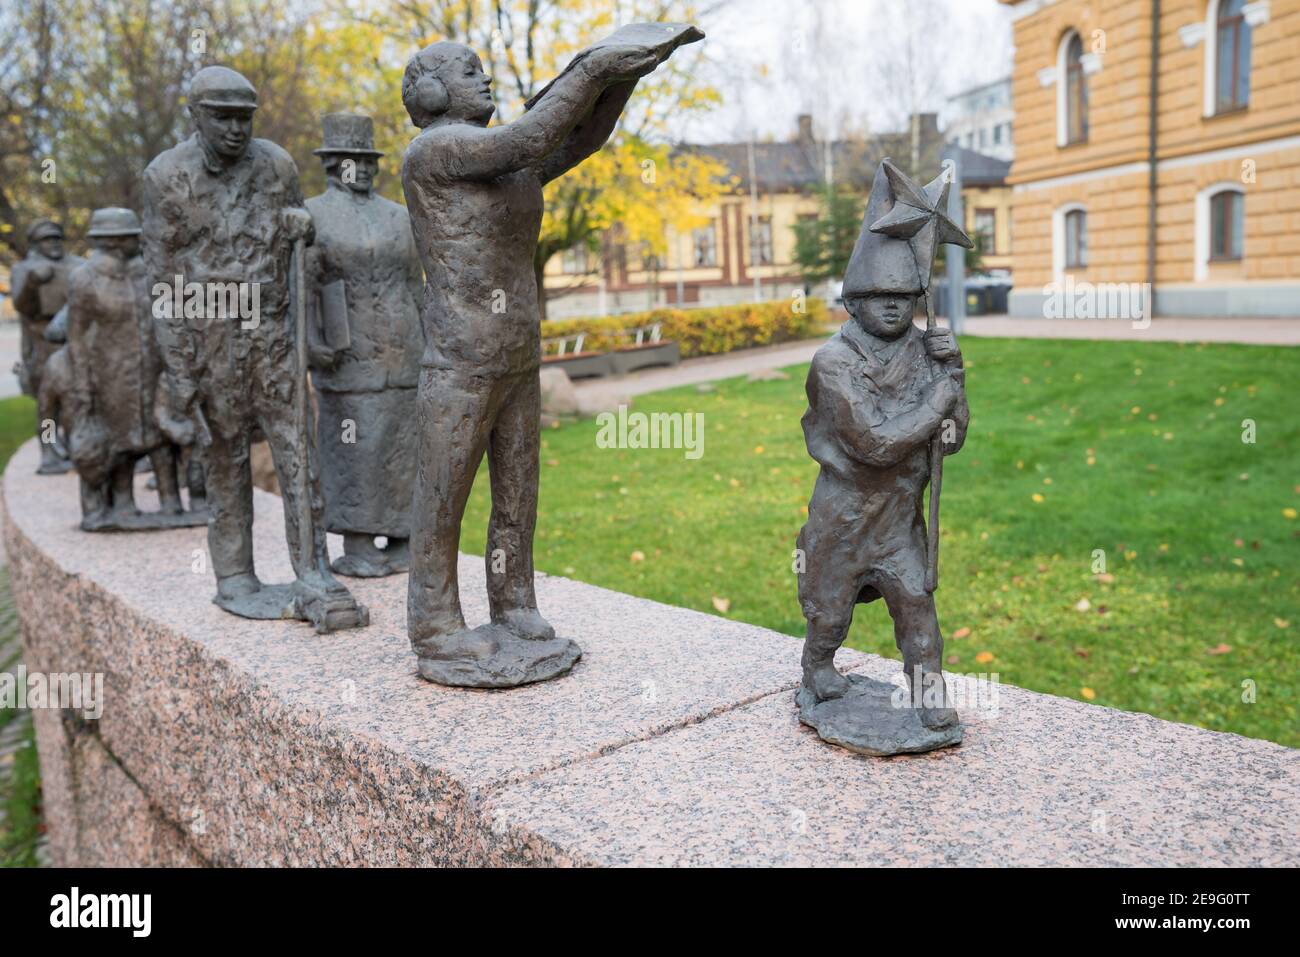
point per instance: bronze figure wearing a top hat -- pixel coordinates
(366, 343)
(885, 403)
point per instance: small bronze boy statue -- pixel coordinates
(886, 402)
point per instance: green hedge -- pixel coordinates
(706, 331)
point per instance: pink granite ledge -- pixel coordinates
(292, 747)
(1044, 781)
(674, 741)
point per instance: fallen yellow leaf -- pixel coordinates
(984, 657)
(1088, 693)
(722, 604)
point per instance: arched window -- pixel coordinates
(1220, 226)
(1072, 101)
(1227, 224)
(1230, 52)
(1069, 239)
(1076, 239)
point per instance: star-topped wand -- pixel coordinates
(919, 216)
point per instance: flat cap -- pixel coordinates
(221, 86)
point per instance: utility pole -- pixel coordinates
(681, 265)
(753, 221)
(955, 256)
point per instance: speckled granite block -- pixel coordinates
(1040, 780)
(298, 748)
(96, 815)
(674, 740)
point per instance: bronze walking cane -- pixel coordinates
(936, 483)
(301, 425)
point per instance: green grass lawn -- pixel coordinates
(20, 800)
(1074, 447)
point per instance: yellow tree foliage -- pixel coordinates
(637, 182)
(98, 86)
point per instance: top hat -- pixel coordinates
(349, 133)
(222, 87)
(113, 221)
(43, 229)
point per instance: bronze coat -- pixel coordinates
(114, 362)
(868, 426)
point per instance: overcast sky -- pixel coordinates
(842, 61)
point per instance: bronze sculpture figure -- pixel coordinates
(475, 197)
(885, 402)
(39, 285)
(109, 385)
(224, 222)
(365, 352)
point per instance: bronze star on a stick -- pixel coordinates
(920, 216)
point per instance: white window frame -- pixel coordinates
(1058, 237)
(1256, 15)
(1089, 64)
(1204, 223)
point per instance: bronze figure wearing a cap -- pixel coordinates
(39, 286)
(111, 379)
(225, 210)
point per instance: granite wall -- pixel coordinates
(673, 742)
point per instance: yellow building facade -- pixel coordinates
(746, 250)
(1158, 143)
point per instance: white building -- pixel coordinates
(980, 119)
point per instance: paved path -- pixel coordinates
(746, 361)
(10, 351)
(1257, 332)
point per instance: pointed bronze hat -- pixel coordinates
(919, 216)
(881, 263)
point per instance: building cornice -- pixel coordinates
(1026, 8)
(1240, 151)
